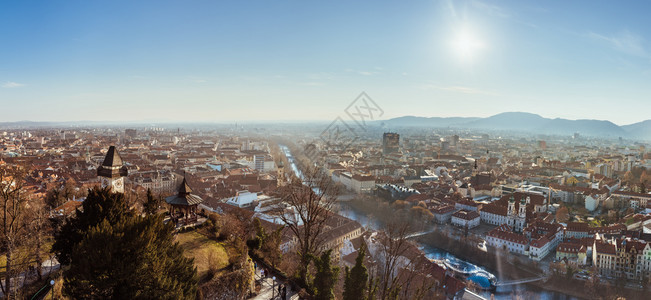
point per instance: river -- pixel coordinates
(502, 292)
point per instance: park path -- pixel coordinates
(269, 289)
(25, 278)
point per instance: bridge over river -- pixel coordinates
(519, 281)
(492, 279)
(417, 234)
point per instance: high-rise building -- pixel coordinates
(130, 133)
(390, 142)
(542, 144)
(454, 140)
(445, 145)
(258, 161)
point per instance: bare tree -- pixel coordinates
(39, 226)
(310, 201)
(416, 282)
(393, 247)
(14, 221)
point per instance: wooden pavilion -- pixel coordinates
(183, 205)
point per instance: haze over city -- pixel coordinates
(325, 150)
(296, 60)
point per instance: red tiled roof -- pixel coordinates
(466, 214)
(68, 207)
(584, 227)
(415, 198)
(363, 178)
(569, 247)
(632, 194)
(539, 243)
(495, 209)
(605, 248)
(534, 199)
(510, 236)
(468, 202)
(442, 209)
(577, 226)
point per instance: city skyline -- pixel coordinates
(375, 121)
(371, 149)
(296, 61)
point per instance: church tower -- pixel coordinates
(511, 211)
(522, 215)
(280, 175)
(522, 209)
(510, 214)
(112, 171)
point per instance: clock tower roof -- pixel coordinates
(112, 158)
(112, 167)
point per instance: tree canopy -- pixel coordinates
(136, 258)
(115, 254)
(100, 205)
(356, 278)
(325, 278)
(150, 206)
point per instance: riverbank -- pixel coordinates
(369, 210)
(504, 266)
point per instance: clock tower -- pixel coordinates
(112, 172)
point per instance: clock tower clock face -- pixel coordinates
(118, 186)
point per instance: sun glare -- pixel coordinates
(466, 45)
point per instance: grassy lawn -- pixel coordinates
(206, 252)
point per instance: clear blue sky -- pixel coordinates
(307, 60)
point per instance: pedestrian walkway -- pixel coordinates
(269, 289)
(28, 277)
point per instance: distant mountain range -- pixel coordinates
(508, 121)
(533, 123)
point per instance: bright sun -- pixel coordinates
(466, 45)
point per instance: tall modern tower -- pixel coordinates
(390, 142)
(112, 171)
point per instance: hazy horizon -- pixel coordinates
(279, 121)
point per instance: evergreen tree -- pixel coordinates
(325, 277)
(151, 206)
(372, 288)
(271, 247)
(100, 205)
(136, 258)
(356, 278)
(260, 233)
(255, 243)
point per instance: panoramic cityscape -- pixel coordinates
(302, 150)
